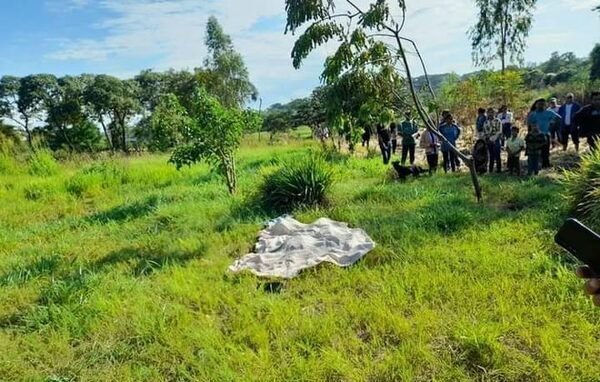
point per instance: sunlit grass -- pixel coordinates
(117, 270)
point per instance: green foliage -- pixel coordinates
(113, 102)
(582, 188)
(213, 137)
(303, 183)
(225, 76)
(501, 30)
(595, 60)
(167, 123)
(42, 163)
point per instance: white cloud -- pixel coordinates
(170, 34)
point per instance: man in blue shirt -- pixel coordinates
(451, 132)
(567, 114)
(545, 120)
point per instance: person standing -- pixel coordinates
(568, 127)
(366, 136)
(555, 131)
(588, 120)
(507, 118)
(408, 129)
(481, 118)
(430, 142)
(514, 147)
(546, 120)
(451, 132)
(394, 133)
(492, 129)
(385, 142)
(535, 143)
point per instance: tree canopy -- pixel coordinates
(501, 31)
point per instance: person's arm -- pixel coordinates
(592, 286)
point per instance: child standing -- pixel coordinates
(514, 146)
(535, 144)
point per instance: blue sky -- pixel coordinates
(122, 37)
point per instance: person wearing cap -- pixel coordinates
(568, 126)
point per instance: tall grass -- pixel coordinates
(129, 282)
(582, 188)
(302, 183)
(42, 163)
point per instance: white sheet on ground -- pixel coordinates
(287, 246)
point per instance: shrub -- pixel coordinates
(42, 163)
(583, 189)
(298, 184)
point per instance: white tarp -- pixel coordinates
(287, 246)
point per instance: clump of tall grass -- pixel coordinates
(92, 179)
(42, 163)
(583, 189)
(302, 183)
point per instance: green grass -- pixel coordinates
(117, 270)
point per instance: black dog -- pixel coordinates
(404, 172)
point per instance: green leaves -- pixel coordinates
(301, 11)
(501, 30)
(315, 35)
(212, 135)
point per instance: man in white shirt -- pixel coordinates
(569, 127)
(506, 117)
(555, 132)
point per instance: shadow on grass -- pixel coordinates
(125, 212)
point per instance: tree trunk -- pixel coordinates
(107, 135)
(63, 130)
(28, 132)
(429, 123)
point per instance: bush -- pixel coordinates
(42, 163)
(583, 189)
(298, 184)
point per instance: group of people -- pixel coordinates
(548, 125)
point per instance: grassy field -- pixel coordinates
(117, 270)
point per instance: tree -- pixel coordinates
(595, 60)
(112, 103)
(369, 39)
(225, 74)
(67, 123)
(167, 123)
(214, 136)
(23, 100)
(501, 30)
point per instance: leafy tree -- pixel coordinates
(67, 123)
(463, 97)
(501, 30)
(213, 137)
(225, 75)
(22, 100)
(112, 103)
(167, 123)
(595, 60)
(277, 122)
(504, 87)
(369, 39)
